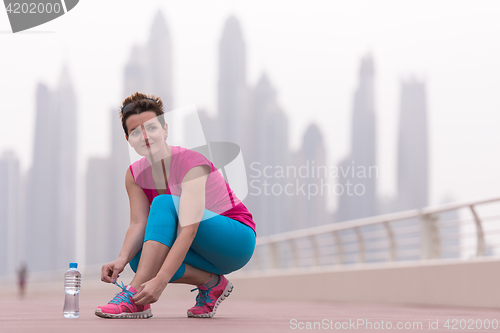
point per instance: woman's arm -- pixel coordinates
(139, 211)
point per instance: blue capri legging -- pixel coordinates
(221, 245)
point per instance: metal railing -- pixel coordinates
(421, 234)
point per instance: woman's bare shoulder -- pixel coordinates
(130, 182)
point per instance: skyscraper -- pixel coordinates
(268, 148)
(119, 162)
(66, 106)
(262, 97)
(360, 181)
(159, 62)
(413, 155)
(192, 121)
(41, 198)
(51, 193)
(107, 206)
(313, 156)
(149, 68)
(232, 88)
(135, 72)
(277, 154)
(99, 221)
(10, 224)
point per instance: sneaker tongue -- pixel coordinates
(130, 288)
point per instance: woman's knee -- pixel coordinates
(165, 202)
(163, 211)
(163, 220)
(179, 273)
(134, 263)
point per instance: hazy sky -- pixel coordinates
(310, 50)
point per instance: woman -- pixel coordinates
(173, 186)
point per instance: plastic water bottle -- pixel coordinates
(72, 282)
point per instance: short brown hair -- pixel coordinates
(138, 103)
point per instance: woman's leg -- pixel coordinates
(151, 265)
(193, 276)
(221, 245)
(152, 258)
(162, 230)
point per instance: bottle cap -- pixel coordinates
(73, 265)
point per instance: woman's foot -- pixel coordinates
(122, 306)
(208, 299)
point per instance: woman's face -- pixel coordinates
(145, 133)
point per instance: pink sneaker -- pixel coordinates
(123, 306)
(208, 300)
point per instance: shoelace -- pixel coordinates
(124, 296)
(203, 298)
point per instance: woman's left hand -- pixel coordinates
(149, 292)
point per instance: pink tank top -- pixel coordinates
(219, 198)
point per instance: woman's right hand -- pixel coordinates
(110, 271)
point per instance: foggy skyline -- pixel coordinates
(310, 64)
(457, 61)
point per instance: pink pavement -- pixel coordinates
(41, 311)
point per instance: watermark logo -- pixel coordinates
(26, 14)
(310, 180)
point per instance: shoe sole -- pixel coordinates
(137, 315)
(226, 293)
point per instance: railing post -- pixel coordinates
(256, 260)
(430, 245)
(295, 253)
(361, 245)
(392, 241)
(314, 244)
(340, 251)
(479, 231)
(275, 256)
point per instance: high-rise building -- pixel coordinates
(41, 198)
(149, 68)
(159, 62)
(10, 236)
(135, 72)
(413, 155)
(192, 122)
(267, 149)
(66, 128)
(98, 226)
(107, 206)
(277, 155)
(232, 86)
(313, 157)
(360, 169)
(262, 97)
(119, 162)
(51, 189)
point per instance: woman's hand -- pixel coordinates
(150, 291)
(110, 271)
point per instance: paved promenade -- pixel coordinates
(41, 311)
